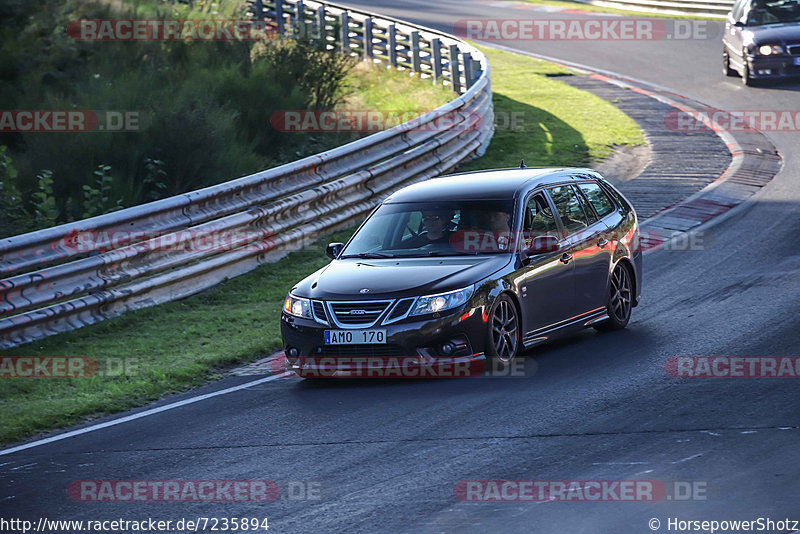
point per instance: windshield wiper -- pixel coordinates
(368, 255)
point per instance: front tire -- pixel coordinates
(619, 302)
(747, 80)
(726, 65)
(503, 336)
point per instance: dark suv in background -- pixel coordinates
(762, 40)
(465, 268)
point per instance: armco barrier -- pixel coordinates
(51, 285)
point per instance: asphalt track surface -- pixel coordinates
(591, 406)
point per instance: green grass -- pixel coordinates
(377, 87)
(546, 122)
(182, 344)
(174, 346)
(566, 4)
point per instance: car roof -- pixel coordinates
(484, 185)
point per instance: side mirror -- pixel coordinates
(739, 24)
(542, 244)
(333, 250)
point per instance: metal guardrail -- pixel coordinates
(52, 285)
(710, 8)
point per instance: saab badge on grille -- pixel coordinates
(358, 312)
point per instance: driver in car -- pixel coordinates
(437, 229)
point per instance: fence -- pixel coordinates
(52, 285)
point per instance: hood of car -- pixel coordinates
(356, 279)
(775, 33)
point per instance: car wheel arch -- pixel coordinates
(626, 262)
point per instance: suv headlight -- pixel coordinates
(442, 301)
(768, 50)
(297, 306)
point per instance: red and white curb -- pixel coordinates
(755, 162)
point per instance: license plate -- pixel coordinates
(797, 61)
(355, 337)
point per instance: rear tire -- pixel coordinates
(619, 302)
(503, 333)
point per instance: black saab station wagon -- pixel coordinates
(467, 269)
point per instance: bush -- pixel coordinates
(203, 110)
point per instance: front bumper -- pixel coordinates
(412, 348)
(769, 67)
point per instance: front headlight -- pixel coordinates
(442, 301)
(297, 306)
(768, 50)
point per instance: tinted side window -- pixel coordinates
(538, 220)
(569, 208)
(587, 209)
(598, 198)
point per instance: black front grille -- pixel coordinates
(361, 351)
(319, 311)
(358, 313)
(794, 49)
(400, 309)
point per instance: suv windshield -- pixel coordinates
(448, 228)
(764, 12)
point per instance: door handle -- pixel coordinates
(565, 258)
(602, 243)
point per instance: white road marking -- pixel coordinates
(143, 414)
(698, 455)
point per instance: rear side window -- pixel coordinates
(569, 208)
(598, 198)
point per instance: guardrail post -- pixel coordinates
(393, 45)
(415, 59)
(436, 59)
(455, 75)
(368, 38)
(345, 32)
(299, 19)
(321, 32)
(477, 71)
(279, 16)
(466, 59)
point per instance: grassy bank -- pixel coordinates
(181, 344)
(590, 8)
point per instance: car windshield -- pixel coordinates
(764, 12)
(420, 229)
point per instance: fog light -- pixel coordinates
(292, 352)
(446, 349)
